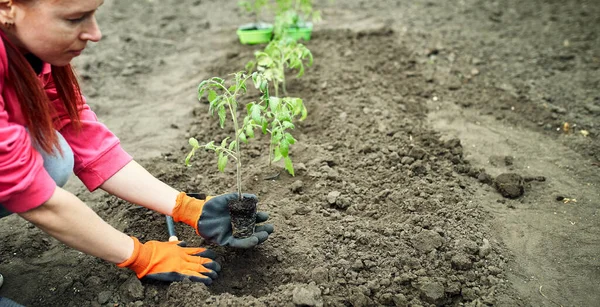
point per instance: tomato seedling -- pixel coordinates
(270, 114)
(278, 56)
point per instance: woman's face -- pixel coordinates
(55, 31)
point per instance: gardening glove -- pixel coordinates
(210, 217)
(171, 261)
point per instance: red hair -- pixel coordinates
(35, 104)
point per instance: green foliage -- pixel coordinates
(276, 118)
(278, 56)
(296, 12)
(223, 99)
(254, 7)
(269, 114)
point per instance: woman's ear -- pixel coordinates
(7, 13)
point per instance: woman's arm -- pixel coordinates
(136, 185)
(72, 222)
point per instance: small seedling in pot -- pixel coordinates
(271, 116)
(278, 56)
(223, 99)
(291, 15)
(301, 10)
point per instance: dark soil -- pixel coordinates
(414, 108)
(243, 216)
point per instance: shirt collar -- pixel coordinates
(46, 69)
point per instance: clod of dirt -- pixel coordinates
(510, 185)
(104, 297)
(297, 186)
(432, 292)
(461, 262)
(132, 288)
(485, 249)
(359, 299)
(243, 216)
(400, 300)
(407, 160)
(309, 295)
(332, 197)
(417, 153)
(320, 275)
(427, 240)
(419, 168)
(484, 177)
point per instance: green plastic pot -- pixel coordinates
(255, 33)
(302, 32)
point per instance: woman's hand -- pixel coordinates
(172, 261)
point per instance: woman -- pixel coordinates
(48, 131)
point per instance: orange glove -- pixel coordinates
(170, 261)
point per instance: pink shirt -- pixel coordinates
(24, 183)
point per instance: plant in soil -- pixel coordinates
(270, 114)
(223, 99)
(276, 117)
(278, 56)
(295, 13)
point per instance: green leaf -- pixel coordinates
(250, 131)
(276, 155)
(250, 66)
(242, 87)
(289, 166)
(265, 126)
(298, 105)
(210, 145)
(304, 113)
(232, 88)
(264, 60)
(201, 89)
(288, 125)
(194, 143)
(218, 80)
(306, 53)
(232, 145)
(290, 139)
(222, 115)
(189, 157)
(274, 103)
(300, 71)
(222, 163)
(258, 80)
(256, 112)
(243, 138)
(276, 137)
(224, 142)
(212, 95)
(284, 147)
(264, 86)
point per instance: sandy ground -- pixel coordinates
(410, 103)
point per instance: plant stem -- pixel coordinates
(238, 163)
(236, 127)
(283, 59)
